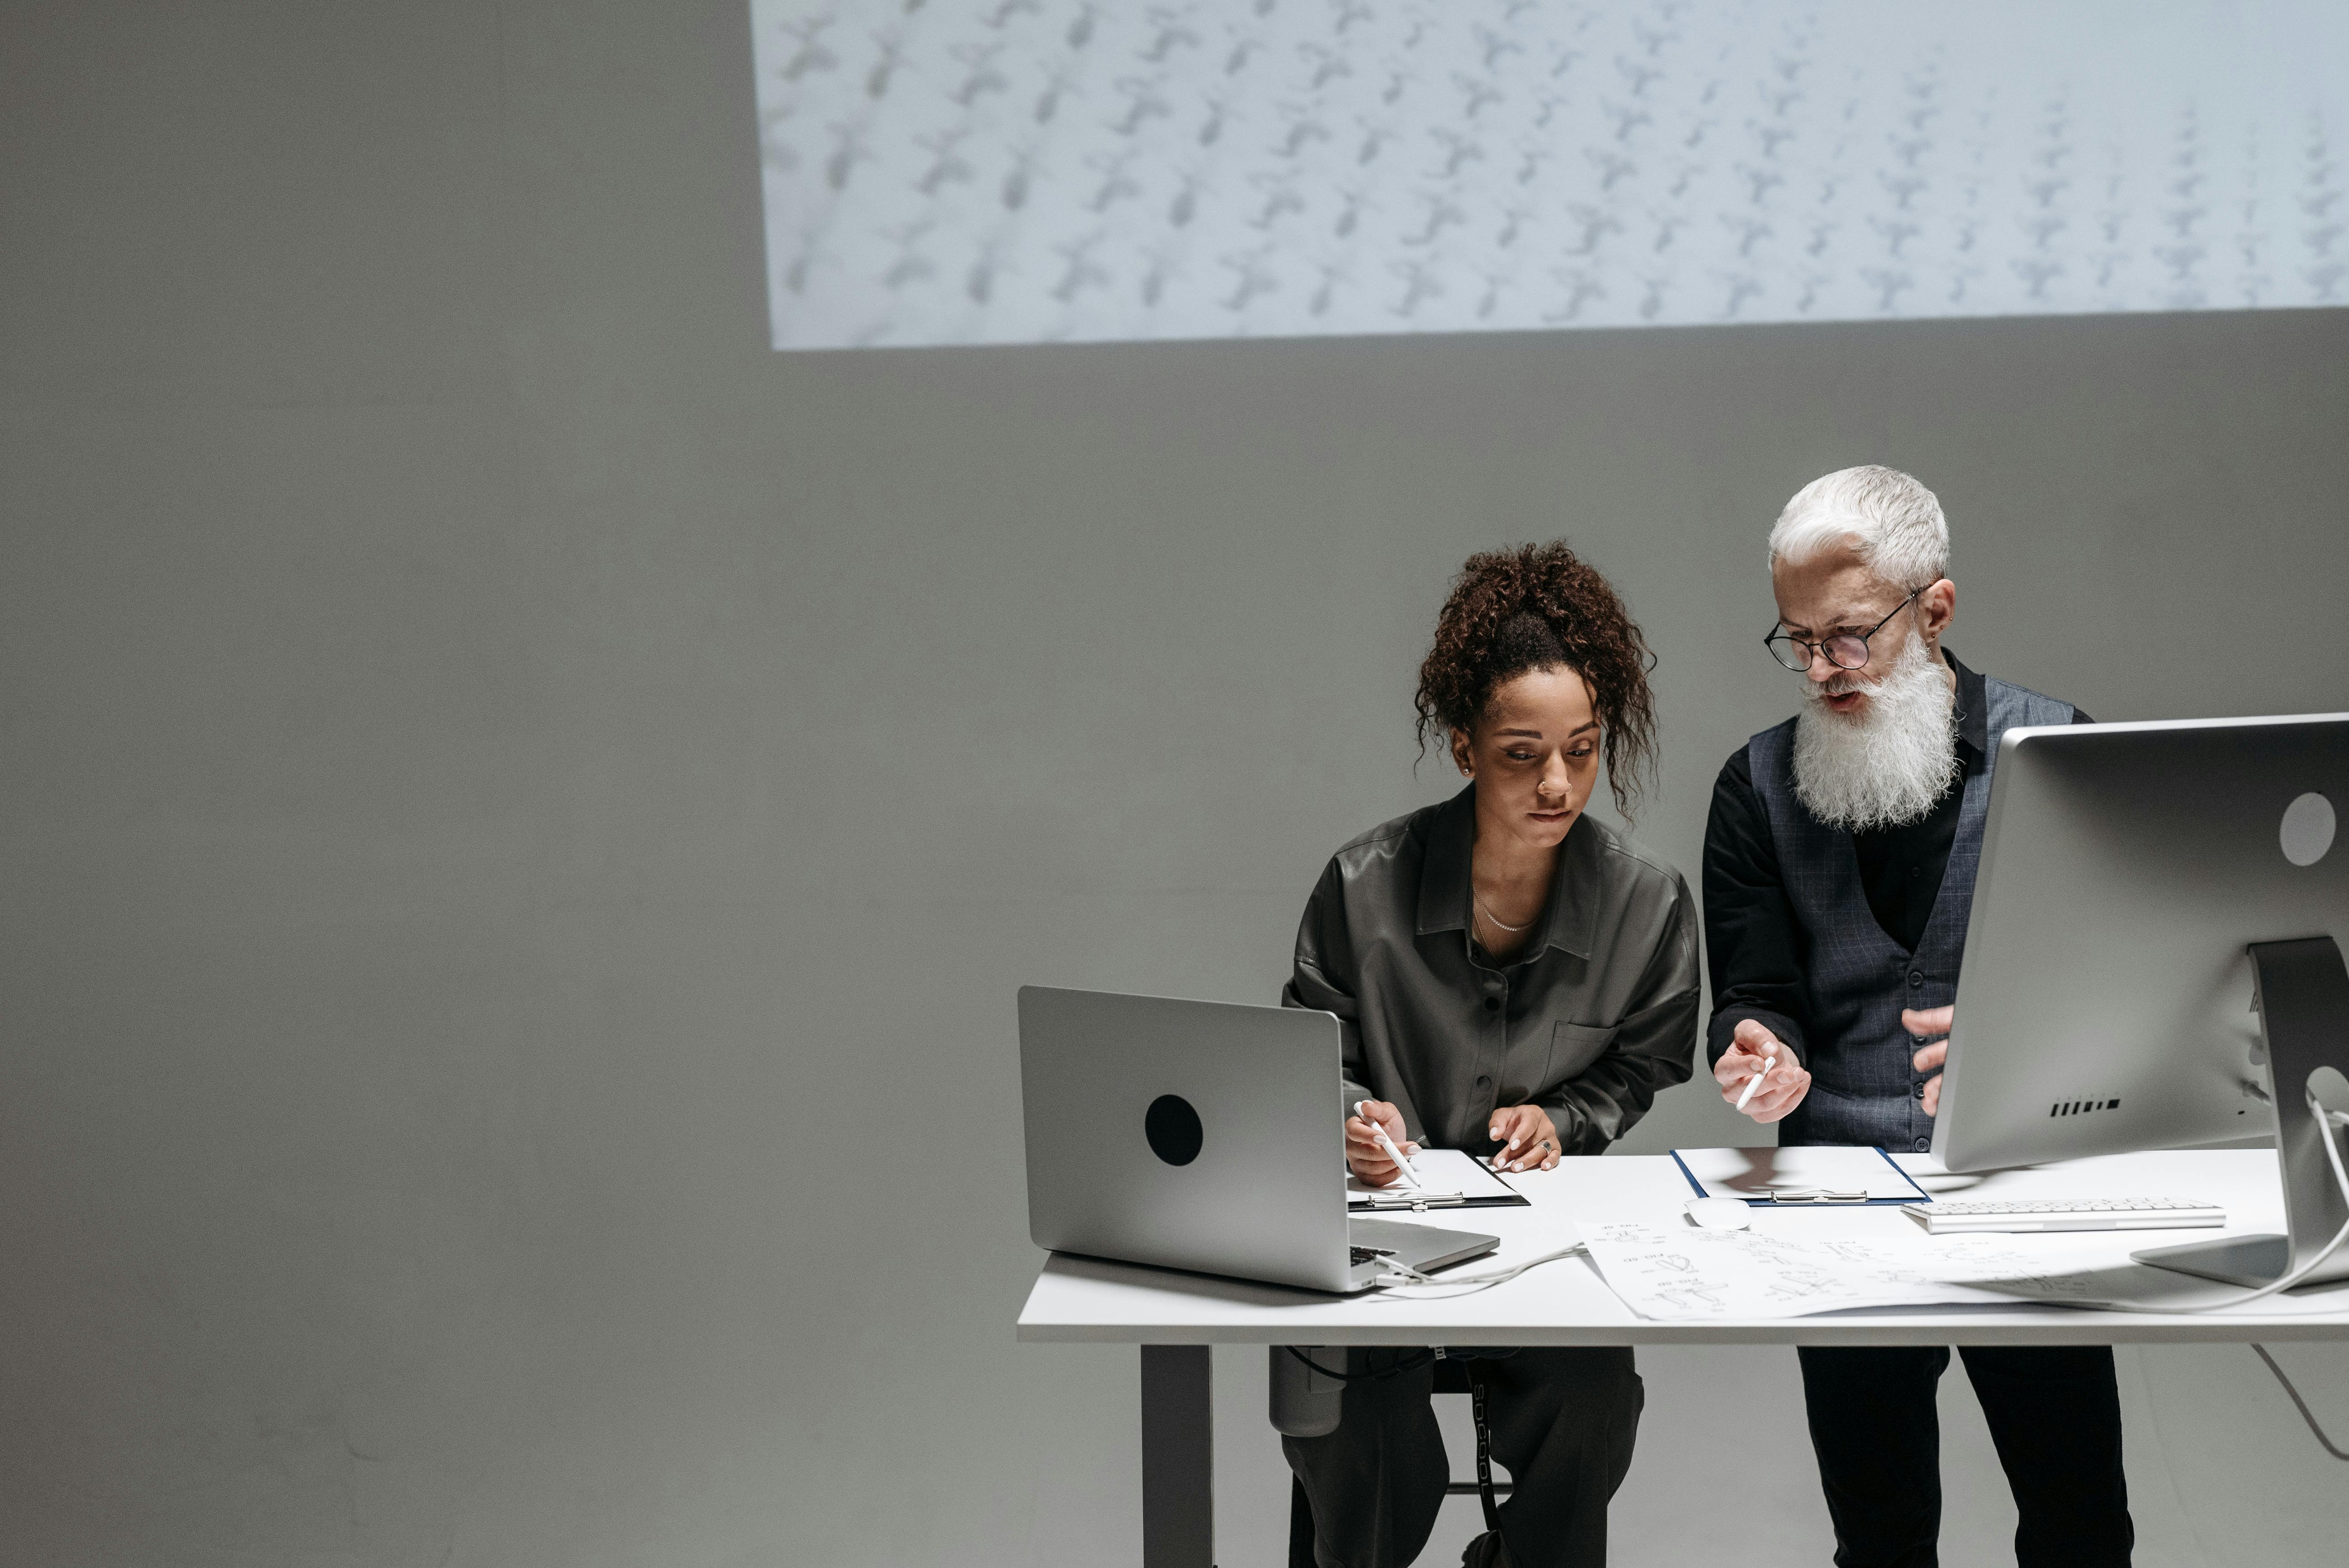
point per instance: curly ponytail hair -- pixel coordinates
(1529, 608)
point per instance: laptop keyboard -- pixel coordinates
(1369, 1254)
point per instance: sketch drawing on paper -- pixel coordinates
(1747, 1274)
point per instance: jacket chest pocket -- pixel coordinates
(1544, 1059)
(1573, 1046)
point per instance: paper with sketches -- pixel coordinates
(1670, 1273)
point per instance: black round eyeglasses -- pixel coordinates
(1845, 650)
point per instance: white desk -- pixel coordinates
(1176, 1317)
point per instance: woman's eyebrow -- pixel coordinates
(1578, 729)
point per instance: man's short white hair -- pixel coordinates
(1892, 522)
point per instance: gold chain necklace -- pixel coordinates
(1495, 918)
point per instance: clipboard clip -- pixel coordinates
(1420, 1202)
(1818, 1195)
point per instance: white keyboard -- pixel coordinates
(2070, 1214)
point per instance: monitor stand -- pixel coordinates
(2300, 990)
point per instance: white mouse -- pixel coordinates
(1720, 1214)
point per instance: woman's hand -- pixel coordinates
(1364, 1158)
(1751, 1048)
(1527, 1137)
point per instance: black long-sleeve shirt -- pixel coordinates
(1754, 948)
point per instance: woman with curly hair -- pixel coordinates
(1516, 979)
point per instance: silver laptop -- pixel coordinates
(1201, 1136)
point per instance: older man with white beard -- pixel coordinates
(1838, 873)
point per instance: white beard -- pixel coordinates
(1887, 767)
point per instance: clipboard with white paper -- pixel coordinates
(1449, 1179)
(1811, 1176)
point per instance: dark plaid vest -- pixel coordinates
(1863, 1090)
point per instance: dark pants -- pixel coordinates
(1563, 1423)
(2054, 1412)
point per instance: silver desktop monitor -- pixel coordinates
(2154, 961)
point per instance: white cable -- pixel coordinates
(2338, 1118)
(2325, 1120)
(1402, 1277)
(2301, 1405)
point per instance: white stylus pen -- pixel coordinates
(1771, 1060)
(1387, 1147)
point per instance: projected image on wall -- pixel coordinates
(945, 171)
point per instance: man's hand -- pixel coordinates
(1751, 1048)
(1527, 1137)
(1364, 1158)
(1922, 1026)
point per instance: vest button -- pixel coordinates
(1924, 1146)
(1492, 1004)
(1916, 978)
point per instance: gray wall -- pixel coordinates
(525, 810)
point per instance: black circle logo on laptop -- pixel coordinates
(1173, 1129)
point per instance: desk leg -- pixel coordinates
(1179, 1451)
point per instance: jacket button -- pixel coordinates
(1916, 978)
(1924, 1146)
(1492, 1004)
(1921, 1091)
(1483, 1082)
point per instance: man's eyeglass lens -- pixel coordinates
(1845, 652)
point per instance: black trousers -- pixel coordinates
(2054, 1414)
(1563, 1423)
